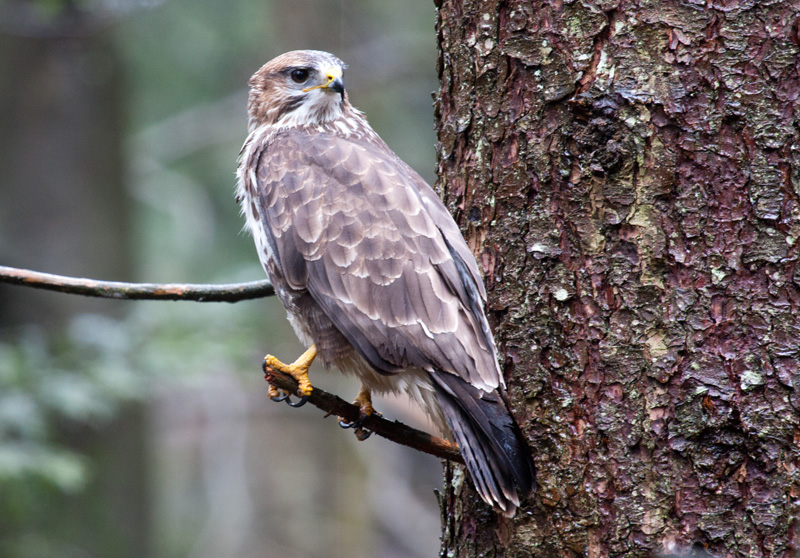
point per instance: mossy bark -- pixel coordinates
(627, 175)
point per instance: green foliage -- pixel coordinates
(59, 386)
(48, 384)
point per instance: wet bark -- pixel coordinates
(627, 174)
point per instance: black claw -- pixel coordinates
(356, 424)
(279, 398)
(286, 397)
(303, 400)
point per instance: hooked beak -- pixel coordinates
(336, 85)
(334, 82)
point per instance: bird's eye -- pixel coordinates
(299, 75)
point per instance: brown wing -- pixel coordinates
(378, 251)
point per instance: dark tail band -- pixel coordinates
(494, 450)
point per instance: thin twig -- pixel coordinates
(232, 292)
(391, 430)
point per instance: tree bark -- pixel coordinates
(626, 173)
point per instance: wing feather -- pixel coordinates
(378, 252)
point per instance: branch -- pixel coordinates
(232, 292)
(395, 431)
(391, 430)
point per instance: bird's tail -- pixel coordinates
(494, 450)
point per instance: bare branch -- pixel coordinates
(232, 292)
(395, 431)
(392, 430)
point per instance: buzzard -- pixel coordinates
(373, 271)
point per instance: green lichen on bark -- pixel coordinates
(626, 173)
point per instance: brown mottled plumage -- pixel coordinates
(371, 267)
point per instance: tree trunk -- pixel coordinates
(64, 210)
(626, 175)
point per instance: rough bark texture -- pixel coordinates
(627, 173)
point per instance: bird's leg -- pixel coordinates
(365, 409)
(297, 370)
(364, 402)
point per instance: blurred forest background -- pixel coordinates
(132, 429)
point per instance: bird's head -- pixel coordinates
(298, 88)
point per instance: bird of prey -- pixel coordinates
(373, 271)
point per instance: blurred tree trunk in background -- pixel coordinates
(627, 175)
(61, 168)
(60, 162)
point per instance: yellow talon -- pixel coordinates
(364, 402)
(365, 410)
(297, 370)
